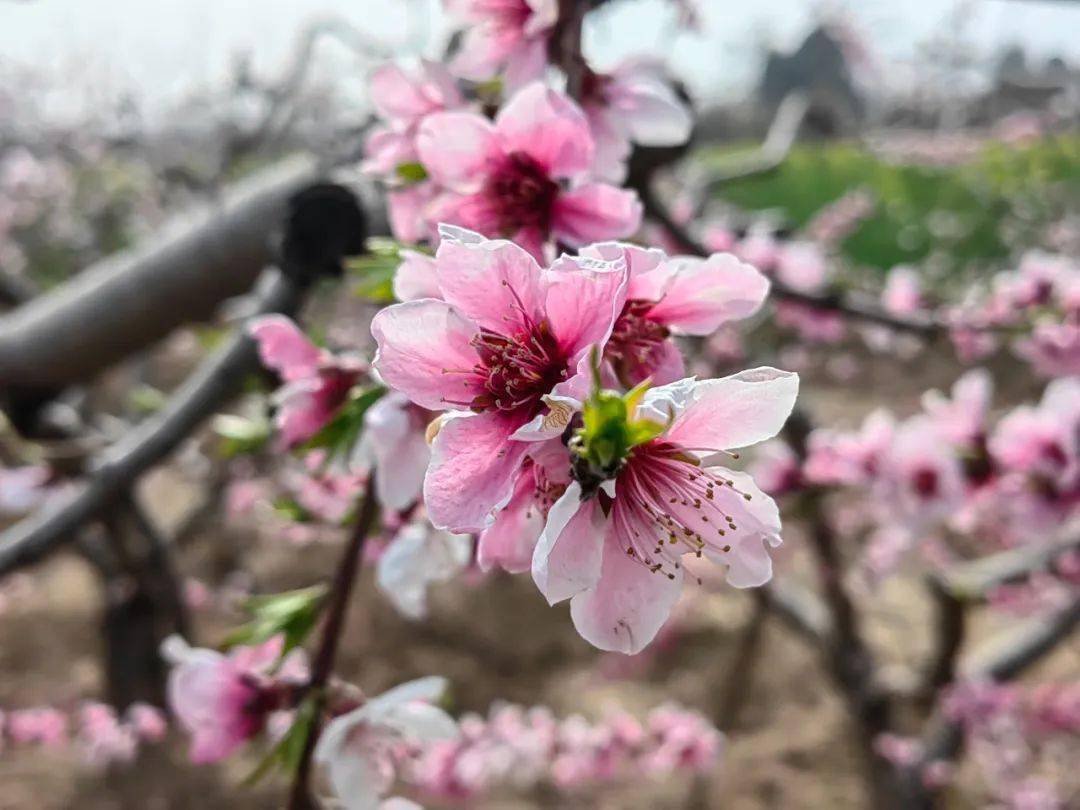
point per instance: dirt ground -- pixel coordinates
(790, 746)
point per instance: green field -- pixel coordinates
(959, 217)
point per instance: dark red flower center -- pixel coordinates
(522, 193)
(925, 482)
(518, 369)
(635, 338)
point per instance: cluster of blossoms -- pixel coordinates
(1022, 741)
(62, 207)
(498, 349)
(521, 748)
(95, 732)
(947, 470)
(1037, 306)
(508, 352)
(542, 171)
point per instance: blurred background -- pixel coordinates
(959, 118)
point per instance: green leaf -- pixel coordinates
(343, 431)
(146, 399)
(287, 752)
(240, 434)
(411, 172)
(292, 614)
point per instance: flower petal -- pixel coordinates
(474, 465)
(705, 293)
(547, 126)
(736, 411)
(455, 148)
(284, 348)
(595, 212)
(415, 277)
(570, 550)
(424, 352)
(628, 605)
(492, 281)
(509, 542)
(584, 297)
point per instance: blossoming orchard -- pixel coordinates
(497, 440)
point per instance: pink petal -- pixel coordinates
(549, 127)
(666, 364)
(758, 521)
(284, 348)
(400, 451)
(705, 293)
(474, 466)
(525, 64)
(569, 553)
(407, 209)
(493, 282)
(584, 297)
(735, 411)
(456, 148)
(628, 605)
(424, 352)
(508, 542)
(648, 109)
(415, 277)
(396, 95)
(299, 416)
(595, 212)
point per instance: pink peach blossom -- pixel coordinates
(617, 556)
(682, 295)
(504, 36)
(316, 382)
(504, 178)
(635, 103)
(507, 345)
(222, 701)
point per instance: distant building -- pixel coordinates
(820, 68)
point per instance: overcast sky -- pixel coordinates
(161, 49)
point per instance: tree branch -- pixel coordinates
(975, 581)
(1000, 659)
(203, 393)
(127, 301)
(300, 796)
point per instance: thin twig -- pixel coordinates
(300, 796)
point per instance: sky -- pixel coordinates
(163, 49)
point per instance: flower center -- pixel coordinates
(675, 507)
(523, 194)
(635, 338)
(925, 482)
(517, 369)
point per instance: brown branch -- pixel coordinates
(564, 47)
(951, 619)
(203, 393)
(124, 303)
(955, 588)
(975, 581)
(1000, 659)
(300, 796)
(799, 609)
